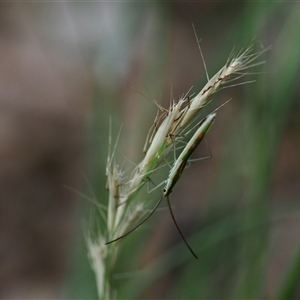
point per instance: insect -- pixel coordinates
(175, 174)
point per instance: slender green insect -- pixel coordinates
(176, 172)
(186, 153)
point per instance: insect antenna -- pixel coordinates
(173, 218)
(142, 222)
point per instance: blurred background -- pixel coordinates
(67, 67)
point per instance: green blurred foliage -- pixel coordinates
(235, 233)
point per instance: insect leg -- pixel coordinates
(202, 158)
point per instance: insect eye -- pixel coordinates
(164, 190)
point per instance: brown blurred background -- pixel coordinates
(44, 99)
